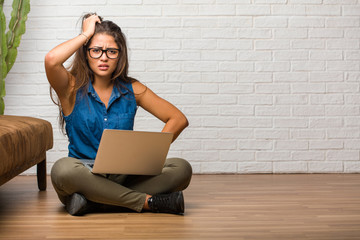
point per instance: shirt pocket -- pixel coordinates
(125, 121)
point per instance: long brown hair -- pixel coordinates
(80, 69)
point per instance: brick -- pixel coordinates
(291, 99)
(182, 55)
(236, 88)
(200, 134)
(181, 77)
(306, 22)
(236, 66)
(227, 122)
(323, 10)
(236, 111)
(352, 121)
(200, 88)
(320, 99)
(291, 145)
(270, 22)
(238, 133)
(255, 145)
(215, 10)
(308, 66)
(254, 77)
(352, 76)
(352, 55)
(342, 133)
(352, 166)
(219, 99)
(326, 55)
(290, 33)
(342, 44)
(272, 66)
(341, 155)
(201, 111)
(308, 155)
(217, 56)
(290, 123)
(271, 134)
(308, 44)
(201, 156)
(236, 156)
(273, 156)
(326, 122)
(272, 44)
(339, 22)
(234, 44)
(202, 22)
(148, 55)
(308, 111)
(342, 87)
(326, 77)
(213, 167)
(182, 33)
(308, 134)
(272, 88)
(288, 10)
(291, 55)
(255, 167)
(187, 144)
(255, 122)
(351, 10)
(326, 33)
(218, 33)
(352, 144)
(342, 111)
(163, 44)
(308, 88)
(203, 66)
(182, 10)
(219, 77)
(290, 77)
(352, 33)
(160, 23)
(283, 111)
(352, 99)
(255, 99)
(160, 66)
(253, 33)
(326, 144)
(219, 144)
(325, 167)
(199, 44)
(234, 21)
(290, 167)
(254, 56)
(253, 10)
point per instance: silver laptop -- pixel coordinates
(131, 152)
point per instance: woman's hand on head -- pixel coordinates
(88, 26)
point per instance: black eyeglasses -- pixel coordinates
(111, 53)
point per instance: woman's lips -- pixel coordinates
(103, 67)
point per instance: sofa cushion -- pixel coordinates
(22, 140)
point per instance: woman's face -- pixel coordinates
(104, 66)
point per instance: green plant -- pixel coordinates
(11, 40)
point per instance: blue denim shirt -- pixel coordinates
(89, 118)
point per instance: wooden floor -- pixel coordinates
(319, 206)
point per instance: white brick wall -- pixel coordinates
(269, 86)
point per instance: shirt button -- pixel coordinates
(105, 119)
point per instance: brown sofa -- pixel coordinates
(23, 143)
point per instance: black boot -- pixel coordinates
(167, 203)
(77, 205)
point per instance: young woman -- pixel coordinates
(95, 94)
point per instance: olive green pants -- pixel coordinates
(69, 175)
